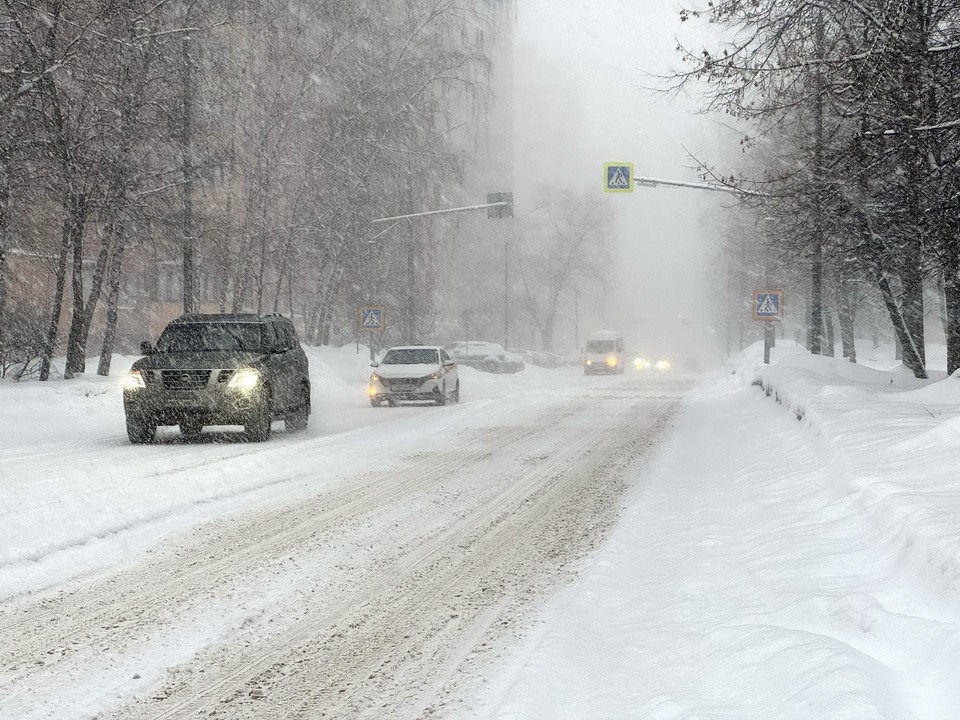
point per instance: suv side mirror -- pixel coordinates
(147, 348)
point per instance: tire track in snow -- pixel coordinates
(66, 625)
(394, 636)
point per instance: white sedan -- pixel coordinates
(416, 373)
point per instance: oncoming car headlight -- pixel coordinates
(245, 379)
(641, 363)
(133, 380)
(663, 364)
(611, 361)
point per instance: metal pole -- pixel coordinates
(506, 286)
(769, 340)
(468, 208)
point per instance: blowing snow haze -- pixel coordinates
(363, 446)
(585, 74)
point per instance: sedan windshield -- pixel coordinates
(210, 337)
(411, 356)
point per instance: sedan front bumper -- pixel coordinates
(405, 390)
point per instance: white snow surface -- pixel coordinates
(791, 551)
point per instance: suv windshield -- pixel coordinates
(412, 356)
(210, 337)
(602, 346)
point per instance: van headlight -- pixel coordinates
(611, 361)
(246, 379)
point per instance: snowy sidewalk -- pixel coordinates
(767, 567)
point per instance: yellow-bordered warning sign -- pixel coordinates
(618, 177)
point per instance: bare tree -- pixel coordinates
(568, 248)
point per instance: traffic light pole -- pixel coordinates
(467, 208)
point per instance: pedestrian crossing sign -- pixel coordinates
(371, 318)
(768, 305)
(618, 177)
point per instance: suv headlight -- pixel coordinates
(245, 379)
(133, 380)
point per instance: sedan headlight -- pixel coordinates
(374, 377)
(133, 380)
(663, 364)
(435, 375)
(245, 379)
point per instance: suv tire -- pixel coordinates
(257, 425)
(140, 432)
(191, 429)
(298, 419)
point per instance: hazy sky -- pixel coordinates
(585, 64)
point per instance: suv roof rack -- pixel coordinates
(217, 317)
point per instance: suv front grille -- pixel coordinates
(185, 379)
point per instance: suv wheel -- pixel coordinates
(139, 431)
(257, 425)
(298, 419)
(191, 429)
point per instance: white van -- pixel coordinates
(603, 353)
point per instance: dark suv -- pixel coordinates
(211, 369)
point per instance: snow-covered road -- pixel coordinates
(775, 542)
(356, 570)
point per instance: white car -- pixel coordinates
(414, 373)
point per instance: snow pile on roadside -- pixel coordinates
(895, 444)
(766, 567)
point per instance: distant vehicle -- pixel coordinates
(487, 356)
(219, 369)
(414, 373)
(642, 363)
(603, 353)
(542, 358)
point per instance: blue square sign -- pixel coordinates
(371, 318)
(768, 305)
(618, 177)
